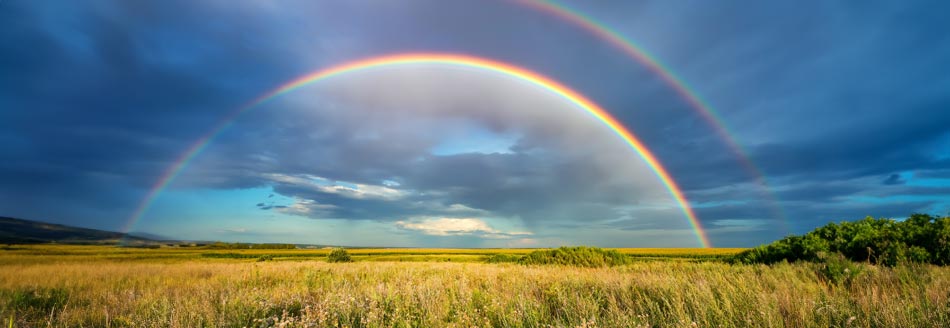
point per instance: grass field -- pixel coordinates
(100, 286)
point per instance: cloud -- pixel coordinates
(111, 82)
(378, 160)
(456, 227)
(344, 189)
(739, 225)
(893, 179)
(306, 208)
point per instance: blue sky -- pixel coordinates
(844, 108)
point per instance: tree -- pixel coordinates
(919, 238)
(339, 255)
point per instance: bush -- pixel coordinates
(920, 238)
(576, 256)
(265, 258)
(41, 300)
(339, 255)
(223, 245)
(503, 258)
(837, 269)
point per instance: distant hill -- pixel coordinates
(19, 231)
(147, 235)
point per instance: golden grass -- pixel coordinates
(84, 286)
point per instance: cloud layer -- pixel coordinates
(844, 109)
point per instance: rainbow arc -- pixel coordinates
(476, 63)
(686, 92)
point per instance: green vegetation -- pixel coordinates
(836, 269)
(580, 256)
(37, 300)
(920, 238)
(102, 286)
(265, 257)
(503, 258)
(223, 245)
(97, 286)
(338, 255)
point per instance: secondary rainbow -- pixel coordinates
(436, 59)
(685, 91)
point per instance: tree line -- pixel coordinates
(920, 238)
(224, 245)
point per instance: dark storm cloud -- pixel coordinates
(824, 115)
(537, 189)
(810, 103)
(820, 191)
(99, 98)
(804, 216)
(903, 190)
(849, 153)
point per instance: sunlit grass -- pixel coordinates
(104, 286)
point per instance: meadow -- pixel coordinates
(105, 286)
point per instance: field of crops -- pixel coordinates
(100, 286)
(58, 253)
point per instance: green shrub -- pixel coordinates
(918, 254)
(228, 255)
(920, 238)
(576, 256)
(837, 269)
(41, 300)
(273, 246)
(224, 245)
(339, 255)
(265, 257)
(503, 258)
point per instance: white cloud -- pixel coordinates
(455, 208)
(456, 227)
(305, 207)
(342, 188)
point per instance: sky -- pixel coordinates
(828, 111)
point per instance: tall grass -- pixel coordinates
(237, 293)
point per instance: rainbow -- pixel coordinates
(441, 59)
(685, 91)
